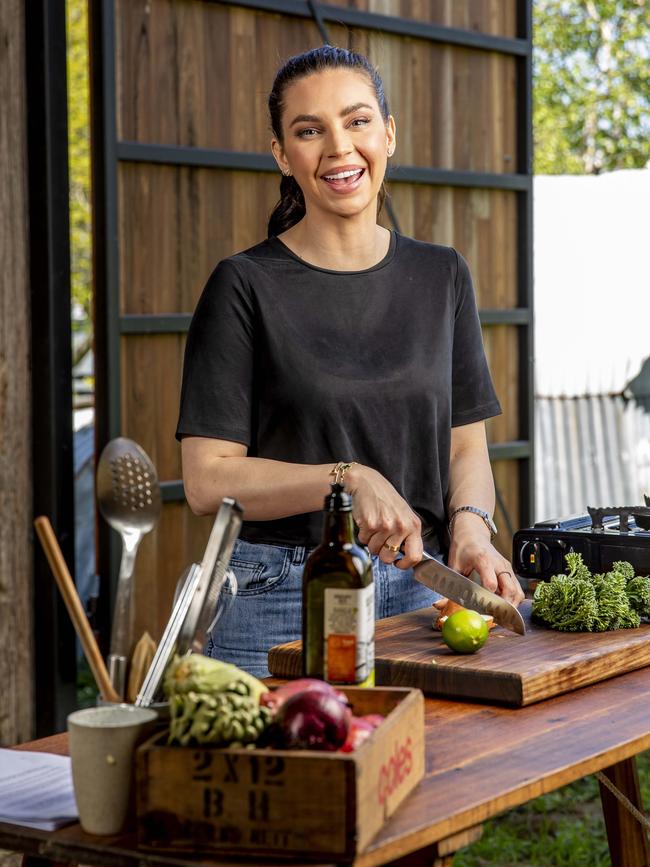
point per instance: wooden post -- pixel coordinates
(16, 659)
(628, 839)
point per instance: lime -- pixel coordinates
(465, 631)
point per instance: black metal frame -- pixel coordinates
(55, 665)
(114, 151)
(105, 276)
(179, 323)
(525, 258)
(213, 158)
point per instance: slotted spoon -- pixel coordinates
(128, 495)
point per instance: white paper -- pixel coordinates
(36, 790)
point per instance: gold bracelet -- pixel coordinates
(340, 470)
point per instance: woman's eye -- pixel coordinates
(360, 121)
(307, 133)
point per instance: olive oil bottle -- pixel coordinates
(338, 601)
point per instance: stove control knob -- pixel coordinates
(536, 558)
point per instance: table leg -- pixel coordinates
(440, 854)
(628, 840)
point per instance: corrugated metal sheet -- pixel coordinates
(590, 451)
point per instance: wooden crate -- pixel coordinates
(283, 802)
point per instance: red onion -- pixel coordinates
(313, 720)
(361, 727)
(277, 697)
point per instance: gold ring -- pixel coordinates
(393, 548)
(504, 572)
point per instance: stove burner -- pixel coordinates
(641, 515)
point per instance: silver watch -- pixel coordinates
(487, 520)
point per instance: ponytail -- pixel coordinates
(289, 210)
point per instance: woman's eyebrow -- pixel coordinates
(313, 118)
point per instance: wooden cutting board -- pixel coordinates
(509, 669)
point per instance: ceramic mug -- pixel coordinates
(102, 743)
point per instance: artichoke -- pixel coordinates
(222, 719)
(213, 702)
(201, 674)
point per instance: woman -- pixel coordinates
(336, 343)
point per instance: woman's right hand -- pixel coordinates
(383, 517)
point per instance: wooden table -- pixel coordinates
(481, 760)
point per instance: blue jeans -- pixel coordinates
(267, 607)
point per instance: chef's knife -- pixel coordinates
(435, 575)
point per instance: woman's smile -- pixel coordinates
(345, 179)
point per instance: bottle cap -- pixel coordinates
(338, 500)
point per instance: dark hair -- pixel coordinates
(291, 207)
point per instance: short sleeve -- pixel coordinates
(473, 394)
(216, 394)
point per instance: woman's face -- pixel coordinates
(335, 141)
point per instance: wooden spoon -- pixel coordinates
(75, 608)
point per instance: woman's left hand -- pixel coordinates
(469, 552)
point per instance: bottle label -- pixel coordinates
(349, 635)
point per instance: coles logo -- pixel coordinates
(395, 770)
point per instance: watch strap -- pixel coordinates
(487, 520)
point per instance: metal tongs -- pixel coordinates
(193, 613)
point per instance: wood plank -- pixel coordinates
(177, 223)
(506, 481)
(628, 839)
(170, 52)
(496, 17)
(511, 669)
(16, 626)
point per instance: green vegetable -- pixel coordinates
(567, 604)
(582, 602)
(197, 673)
(213, 702)
(638, 592)
(577, 568)
(224, 719)
(612, 602)
(624, 568)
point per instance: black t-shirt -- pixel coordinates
(312, 366)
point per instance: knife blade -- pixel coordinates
(436, 576)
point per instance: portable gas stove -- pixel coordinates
(602, 536)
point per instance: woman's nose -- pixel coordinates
(339, 143)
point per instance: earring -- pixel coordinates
(287, 174)
(390, 152)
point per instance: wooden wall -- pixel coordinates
(196, 74)
(16, 651)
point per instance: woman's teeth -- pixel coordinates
(350, 179)
(340, 175)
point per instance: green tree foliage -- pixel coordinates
(591, 85)
(79, 152)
